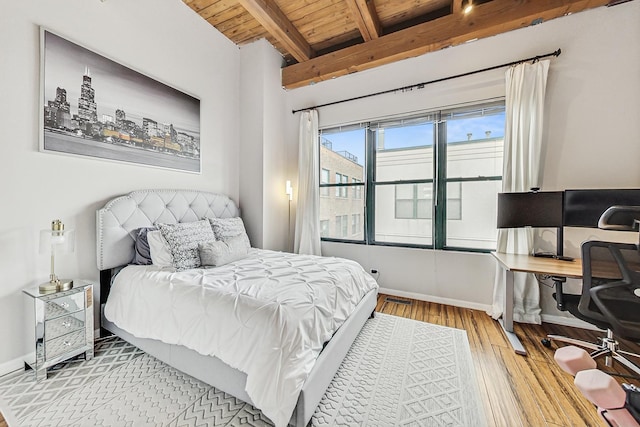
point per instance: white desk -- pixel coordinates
(529, 264)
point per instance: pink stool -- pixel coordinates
(573, 359)
(604, 392)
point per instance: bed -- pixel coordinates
(344, 308)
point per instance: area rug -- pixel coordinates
(399, 372)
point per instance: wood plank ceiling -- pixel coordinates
(323, 39)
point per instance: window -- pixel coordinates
(357, 191)
(324, 228)
(342, 153)
(342, 225)
(401, 169)
(324, 179)
(341, 179)
(414, 201)
(355, 224)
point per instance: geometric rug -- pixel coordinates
(398, 372)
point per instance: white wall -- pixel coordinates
(263, 151)
(163, 39)
(591, 136)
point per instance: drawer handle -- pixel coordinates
(64, 304)
(66, 324)
(67, 343)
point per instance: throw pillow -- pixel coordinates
(217, 253)
(225, 228)
(142, 255)
(183, 240)
(159, 250)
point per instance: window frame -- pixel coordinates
(439, 210)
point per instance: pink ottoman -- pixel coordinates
(573, 359)
(607, 394)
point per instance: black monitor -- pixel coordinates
(583, 208)
(531, 209)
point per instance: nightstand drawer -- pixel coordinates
(63, 306)
(63, 325)
(64, 344)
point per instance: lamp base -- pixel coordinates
(65, 284)
(55, 286)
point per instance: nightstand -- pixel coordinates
(63, 326)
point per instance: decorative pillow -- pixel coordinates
(183, 239)
(159, 250)
(142, 255)
(217, 253)
(224, 228)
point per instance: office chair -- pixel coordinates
(611, 273)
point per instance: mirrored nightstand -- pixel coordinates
(63, 326)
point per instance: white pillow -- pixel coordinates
(225, 228)
(220, 252)
(159, 249)
(183, 239)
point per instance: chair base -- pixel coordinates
(608, 347)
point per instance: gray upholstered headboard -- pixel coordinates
(117, 220)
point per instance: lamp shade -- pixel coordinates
(531, 209)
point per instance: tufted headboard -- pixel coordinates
(117, 220)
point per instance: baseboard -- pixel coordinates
(15, 364)
(568, 321)
(431, 298)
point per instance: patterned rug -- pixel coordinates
(399, 372)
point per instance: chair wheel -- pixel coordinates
(546, 342)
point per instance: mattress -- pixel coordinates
(267, 315)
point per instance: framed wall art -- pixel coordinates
(94, 106)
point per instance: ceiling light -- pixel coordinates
(467, 6)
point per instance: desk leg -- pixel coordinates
(507, 316)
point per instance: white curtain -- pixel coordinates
(525, 90)
(307, 237)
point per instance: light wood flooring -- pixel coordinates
(517, 390)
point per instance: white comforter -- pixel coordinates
(267, 315)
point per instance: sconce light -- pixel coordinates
(467, 6)
(56, 240)
(289, 190)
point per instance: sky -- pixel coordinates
(417, 135)
(116, 86)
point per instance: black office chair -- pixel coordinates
(610, 275)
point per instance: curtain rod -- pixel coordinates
(423, 84)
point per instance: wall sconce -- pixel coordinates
(467, 6)
(289, 190)
(56, 240)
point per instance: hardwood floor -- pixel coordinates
(518, 390)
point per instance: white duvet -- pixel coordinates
(267, 315)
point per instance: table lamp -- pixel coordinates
(56, 240)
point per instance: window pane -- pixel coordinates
(338, 214)
(404, 152)
(475, 144)
(476, 227)
(390, 228)
(343, 153)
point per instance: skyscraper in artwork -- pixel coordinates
(87, 109)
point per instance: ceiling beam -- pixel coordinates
(456, 6)
(365, 15)
(267, 13)
(495, 17)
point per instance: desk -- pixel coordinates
(529, 264)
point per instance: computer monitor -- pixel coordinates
(530, 209)
(583, 208)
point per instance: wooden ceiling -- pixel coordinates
(323, 39)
